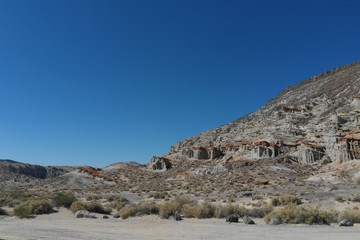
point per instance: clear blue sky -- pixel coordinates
(97, 82)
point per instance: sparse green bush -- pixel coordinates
(303, 215)
(64, 199)
(22, 211)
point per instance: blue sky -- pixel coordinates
(97, 82)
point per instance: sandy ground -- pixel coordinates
(63, 225)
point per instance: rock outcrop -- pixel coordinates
(315, 121)
(160, 163)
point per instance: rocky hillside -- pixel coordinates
(15, 173)
(317, 120)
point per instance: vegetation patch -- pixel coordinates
(64, 199)
(350, 214)
(303, 215)
(140, 209)
(285, 199)
(93, 206)
(3, 212)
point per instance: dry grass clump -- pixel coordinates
(93, 206)
(118, 202)
(203, 210)
(223, 211)
(158, 195)
(303, 215)
(350, 214)
(140, 209)
(169, 208)
(355, 198)
(33, 207)
(77, 205)
(285, 199)
(40, 206)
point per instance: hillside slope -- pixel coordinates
(315, 120)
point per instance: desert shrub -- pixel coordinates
(115, 198)
(339, 199)
(93, 206)
(3, 212)
(40, 206)
(203, 210)
(285, 199)
(169, 208)
(207, 210)
(258, 212)
(142, 208)
(147, 208)
(222, 211)
(97, 207)
(350, 214)
(77, 205)
(158, 195)
(191, 211)
(275, 201)
(118, 202)
(357, 181)
(22, 211)
(128, 211)
(64, 199)
(302, 215)
(355, 198)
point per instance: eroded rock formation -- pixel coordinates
(315, 121)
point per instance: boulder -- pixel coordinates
(116, 215)
(275, 221)
(232, 218)
(176, 216)
(105, 217)
(248, 220)
(346, 223)
(82, 214)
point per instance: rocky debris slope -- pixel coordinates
(317, 120)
